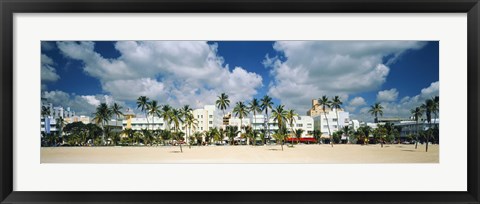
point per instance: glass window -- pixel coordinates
(210, 116)
(210, 122)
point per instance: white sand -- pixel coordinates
(244, 154)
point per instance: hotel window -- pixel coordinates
(334, 126)
(334, 120)
(299, 125)
(202, 116)
(210, 122)
(210, 116)
(325, 126)
(198, 116)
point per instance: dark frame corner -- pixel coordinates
(9, 7)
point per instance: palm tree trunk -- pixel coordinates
(268, 128)
(338, 124)
(428, 135)
(241, 127)
(416, 135)
(103, 132)
(146, 116)
(254, 133)
(328, 126)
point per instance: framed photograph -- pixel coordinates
(239, 101)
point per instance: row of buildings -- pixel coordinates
(210, 117)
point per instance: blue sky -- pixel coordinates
(399, 74)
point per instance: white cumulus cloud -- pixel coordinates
(174, 72)
(81, 104)
(315, 68)
(407, 103)
(387, 95)
(48, 72)
(357, 101)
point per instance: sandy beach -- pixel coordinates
(350, 154)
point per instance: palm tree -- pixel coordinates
(241, 111)
(429, 108)
(435, 108)
(290, 118)
(154, 110)
(223, 103)
(176, 118)
(142, 103)
(254, 107)
(102, 115)
(165, 114)
(375, 110)
(325, 103)
(279, 114)
(417, 114)
(184, 111)
(45, 113)
(347, 130)
(117, 111)
(60, 124)
(337, 104)
(211, 134)
(266, 103)
(220, 137)
(198, 137)
(232, 132)
(298, 134)
(190, 121)
(137, 136)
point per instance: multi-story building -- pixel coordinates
(316, 109)
(81, 118)
(329, 121)
(305, 123)
(235, 121)
(48, 123)
(411, 127)
(207, 118)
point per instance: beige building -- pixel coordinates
(82, 118)
(317, 110)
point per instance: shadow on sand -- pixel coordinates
(408, 150)
(175, 152)
(275, 149)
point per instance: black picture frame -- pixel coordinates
(10, 7)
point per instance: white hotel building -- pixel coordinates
(322, 123)
(305, 123)
(207, 118)
(67, 114)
